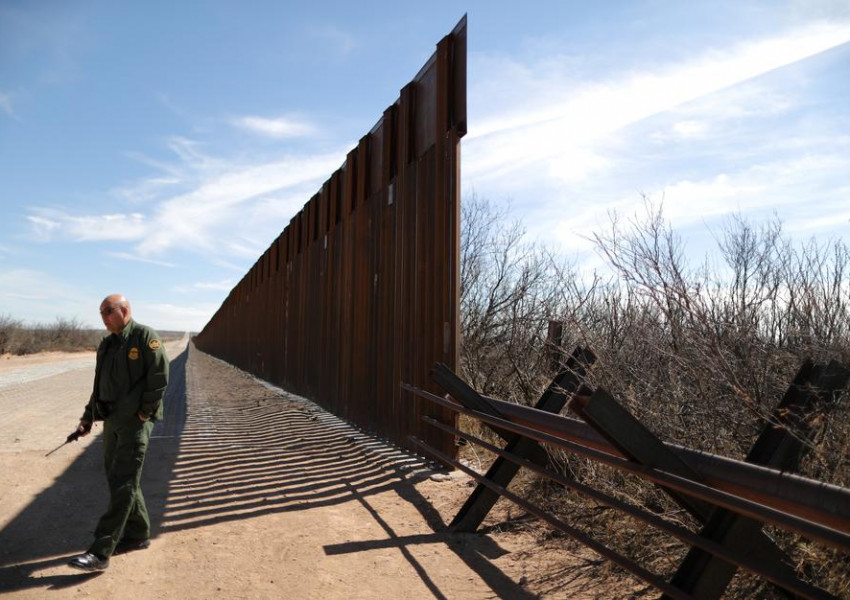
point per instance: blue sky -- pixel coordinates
(157, 148)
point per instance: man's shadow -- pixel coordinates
(60, 521)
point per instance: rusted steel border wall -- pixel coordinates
(361, 290)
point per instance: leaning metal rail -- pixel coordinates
(815, 501)
(775, 503)
(839, 539)
(780, 578)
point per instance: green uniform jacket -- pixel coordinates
(138, 377)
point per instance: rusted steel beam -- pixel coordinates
(782, 579)
(625, 432)
(822, 503)
(637, 443)
(781, 445)
(502, 472)
(618, 559)
(791, 522)
(785, 439)
(460, 390)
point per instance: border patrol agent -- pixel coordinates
(131, 375)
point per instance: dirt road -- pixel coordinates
(254, 494)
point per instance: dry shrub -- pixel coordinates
(701, 355)
(64, 335)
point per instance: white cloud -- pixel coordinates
(175, 317)
(47, 224)
(575, 118)
(781, 187)
(203, 204)
(37, 297)
(192, 157)
(719, 115)
(23, 296)
(120, 227)
(223, 285)
(29, 295)
(740, 102)
(690, 129)
(44, 228)
(282, 127)
(686, 202)
(133, 257)
(22, 283)
(575, 164)
(826, 9)
(226, 264)
(6, 104)
(834, 218)
(222, 208)
(145, 190)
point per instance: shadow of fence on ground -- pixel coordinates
(245, 457)
(222, 458)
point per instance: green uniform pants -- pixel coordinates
(125, 442)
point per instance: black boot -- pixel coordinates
(89, 562)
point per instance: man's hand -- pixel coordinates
(84, 428)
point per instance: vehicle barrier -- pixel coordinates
(731, 499)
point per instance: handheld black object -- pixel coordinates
(72, 437)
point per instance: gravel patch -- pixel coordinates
(30, 373)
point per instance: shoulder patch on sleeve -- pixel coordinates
(154, 344)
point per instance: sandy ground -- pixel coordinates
(254, 494)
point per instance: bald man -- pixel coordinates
(131, 375)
